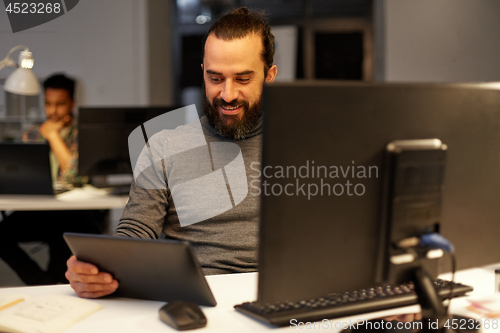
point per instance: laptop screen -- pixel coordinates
(25, 169)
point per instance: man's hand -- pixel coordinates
(87, 281)
(50, 128)
(50, 131)
(406, 318)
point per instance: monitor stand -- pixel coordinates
(434, 315)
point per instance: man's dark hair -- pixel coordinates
(61, 81)
(240, 23)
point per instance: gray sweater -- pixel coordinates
(226, 243)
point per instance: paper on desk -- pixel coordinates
(45, 314)
(83, 193)
(488, 306)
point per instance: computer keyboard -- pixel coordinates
(344, 304)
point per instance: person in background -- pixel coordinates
(60, 131)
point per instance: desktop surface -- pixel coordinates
(123, 315)
(83, 198)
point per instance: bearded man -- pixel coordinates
(237, 60)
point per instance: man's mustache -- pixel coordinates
(233, 103)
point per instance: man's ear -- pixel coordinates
(202, 67)
(271, 74)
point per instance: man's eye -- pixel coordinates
(215, 79)
(243, 80)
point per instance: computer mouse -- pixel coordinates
(183, 315)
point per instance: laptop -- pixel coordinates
(25, 169)
(159, 270)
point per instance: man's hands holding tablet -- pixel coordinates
(87, 281)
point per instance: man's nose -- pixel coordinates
(229, 91)
(50, 110)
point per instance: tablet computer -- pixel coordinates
(160, 270)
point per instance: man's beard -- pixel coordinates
(231, 126)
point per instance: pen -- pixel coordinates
(3, 307)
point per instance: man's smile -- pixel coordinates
(231, 110)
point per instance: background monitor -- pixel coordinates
(313, 243)
(103, 137)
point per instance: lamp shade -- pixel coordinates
(22, 82)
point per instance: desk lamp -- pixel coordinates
(22, 81)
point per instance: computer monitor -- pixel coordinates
(103, 137)
(322, 187)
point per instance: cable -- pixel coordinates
(436, 241)
(453, 270)
(432, 241)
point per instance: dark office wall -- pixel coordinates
(103, 44)
(437, 40)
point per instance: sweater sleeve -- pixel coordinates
(145, 213)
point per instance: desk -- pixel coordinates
(132, 316)
(86, 198)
